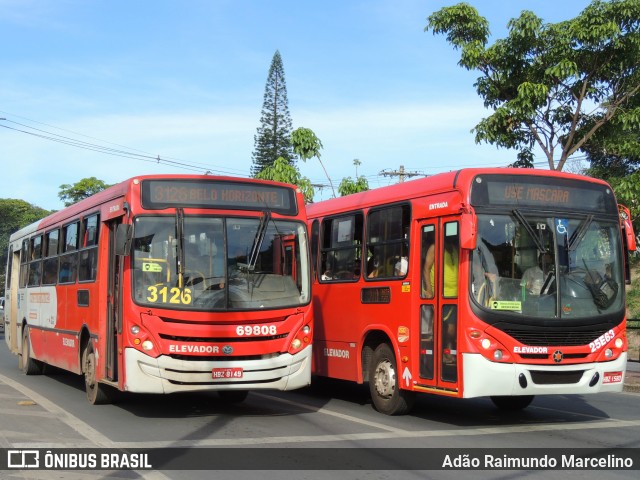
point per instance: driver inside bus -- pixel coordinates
(534, 278)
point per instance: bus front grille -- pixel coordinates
(543, 377)
(557, 337)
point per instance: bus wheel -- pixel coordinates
(233, 396)
(28, 365)
(386, 394)
(97, 393)
(512, 404)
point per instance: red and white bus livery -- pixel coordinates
(166, 284)
(507, 283)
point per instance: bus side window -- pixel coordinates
(24, 265)
(341, 248)
(50, 264)
(69, 260)
(35, 266)
(388, 242)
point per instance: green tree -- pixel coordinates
(307, 145)
(283, 171)
(348, 185)
(272, 139)
(550, 85)
(627, 189)
(14, 214)
(614, 150)
(86, 187)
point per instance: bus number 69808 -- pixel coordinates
(256, 330)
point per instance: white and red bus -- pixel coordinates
(506, 283)
(167, 283)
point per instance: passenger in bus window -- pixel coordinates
(450, 265)
(401, 266)
(427, 271)
(373, 266)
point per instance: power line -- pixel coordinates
(128, 153)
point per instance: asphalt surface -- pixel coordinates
(55, 426)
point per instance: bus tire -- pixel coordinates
(97, 393)
(28, 365)
(386, 394)
(512, 403)
(233, 396)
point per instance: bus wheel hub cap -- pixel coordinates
(385, 379)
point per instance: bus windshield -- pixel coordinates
(542, 266)
(212, 263)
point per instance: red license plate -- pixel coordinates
(225, 373)
(612, 377)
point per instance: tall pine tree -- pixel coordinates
(273, 138)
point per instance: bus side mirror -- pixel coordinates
(468, 231)
(123, 240)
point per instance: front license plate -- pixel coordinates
(612, 377)
(223, 373)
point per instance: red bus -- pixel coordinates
(167, 283)
(506, 283)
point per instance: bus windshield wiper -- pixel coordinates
(257, 241)
(180, 245)
(532, 233)
(579, 234)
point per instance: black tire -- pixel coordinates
(28, 365)
(233, 396)
(512, 404)
(97, 393)
(386, 394)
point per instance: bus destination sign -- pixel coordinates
(160, 194)
(546, 192)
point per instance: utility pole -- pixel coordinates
(400, 173)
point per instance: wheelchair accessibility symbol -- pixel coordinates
(561, 226)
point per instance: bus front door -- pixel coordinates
(438, 354)
(114, 304)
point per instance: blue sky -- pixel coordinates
(184, 80)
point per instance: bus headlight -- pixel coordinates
(497, 355)
(608, 353)
(135, 329)
(301, 339)
(147, 345)
(619, 343)
(486, 343)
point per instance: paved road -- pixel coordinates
(51, 412)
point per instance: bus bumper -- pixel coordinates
(484, 378)
(168, 375)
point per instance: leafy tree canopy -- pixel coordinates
(283, 171)
(307, 145)
(348, 185)
(551, 85)
(86, 187)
